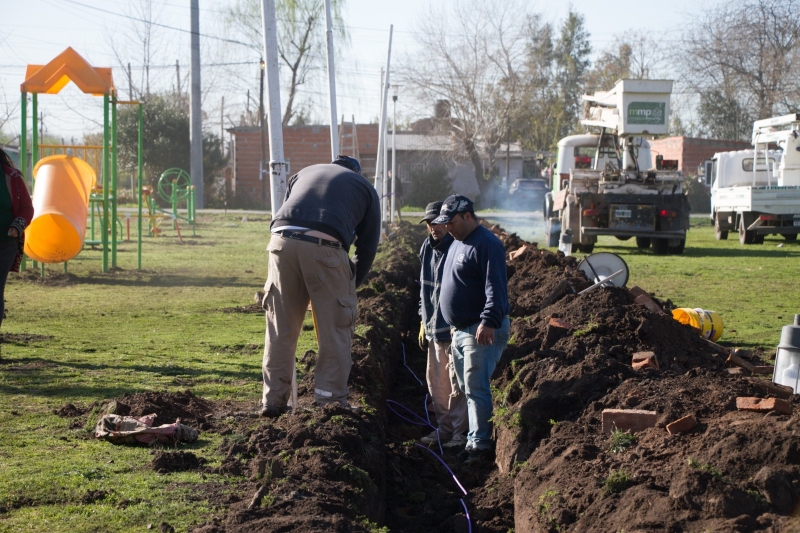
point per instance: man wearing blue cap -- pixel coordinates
(326, 209)
(474, 301)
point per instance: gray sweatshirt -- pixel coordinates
(339, 202)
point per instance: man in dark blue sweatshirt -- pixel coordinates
(474, 301)
(326, 209)
(449, 403)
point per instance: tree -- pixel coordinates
(165, 140)
(723, 117)
(470, 56)
(301, 41)
(632, 55)
(746, 48)
(572, 59)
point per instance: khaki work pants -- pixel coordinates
(449, 403)
(298, 272)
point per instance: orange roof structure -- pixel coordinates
(68, 66)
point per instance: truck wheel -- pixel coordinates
(719, 234)
(745, 236)
(587, 248)
(758, 239)
(622, 237)
(679, 248)
(791, 237)
(643, 243)
(660, 246)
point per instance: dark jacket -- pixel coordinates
(21, 206)
(432, 256)
(475, 285)
(339, 202)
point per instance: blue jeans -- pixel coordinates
(474, 366)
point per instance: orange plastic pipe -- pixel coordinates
(63, 184)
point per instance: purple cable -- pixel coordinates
(466, 512)
(405, 365)
(421, 422)
(460, 486)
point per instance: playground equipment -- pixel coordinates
(60, 204)
(174, 186)
(50, 79)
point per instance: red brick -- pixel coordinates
(628, 419)
(644, 360)
(763, 405)
(682, 425)
(559, 323)
(735, 360)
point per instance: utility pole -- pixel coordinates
(382, 134)
(196, 119)
(276, 164)
(262, 167)
(178, 78)
(331, 81)
(130, 83)
(394, 153)
(222, 125)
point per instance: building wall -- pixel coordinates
(302, 146)
(691, 152)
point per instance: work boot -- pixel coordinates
(434, 437)
(458, 441)
(477, 456)
(271, 411)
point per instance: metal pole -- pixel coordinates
(262, 170)
(382, 143)
(105, 220)
(114, 182)
(23, 138)
(196, 119)
(394, 155)
(276, 163)
(379, 153)
(331, 82)
(139, 160)
(34, 131)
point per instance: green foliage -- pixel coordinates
(704, 467)
(617, 481)
(428, 184)
(338, 420)
(165, 141)
(723, 117)
(590, 327)
(621, 441)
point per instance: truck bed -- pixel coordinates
(768, 200)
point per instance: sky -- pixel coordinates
(44, 28)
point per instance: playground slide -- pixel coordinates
(61, 192)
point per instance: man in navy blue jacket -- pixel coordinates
(474, 301)
(449, 403)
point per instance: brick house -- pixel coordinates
(691, 152)
(302, 146)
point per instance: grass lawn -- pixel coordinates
(97, 336)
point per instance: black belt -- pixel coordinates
(297, 236)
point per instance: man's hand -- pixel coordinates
(423, 340)
(484, 335)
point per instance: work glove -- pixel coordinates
(423, 340)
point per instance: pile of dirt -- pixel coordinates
(324, 468)
(164, 462)
(191, 410)
(557, 470)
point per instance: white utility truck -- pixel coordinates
(757, 192)
(603, 182)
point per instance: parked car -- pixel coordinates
(528, 194)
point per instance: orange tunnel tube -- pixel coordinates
(63, 184)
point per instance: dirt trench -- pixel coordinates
(328, 469)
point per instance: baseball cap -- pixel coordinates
(452, 206)
(431, 212)
(350, 163)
